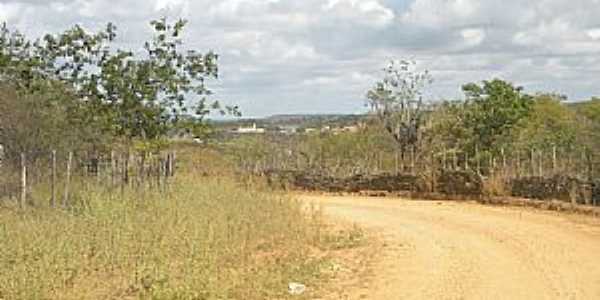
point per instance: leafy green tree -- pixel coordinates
(130, 95)
(41, 121)
(494, 108)
(589, 117)
(549, 124)
(447, 125)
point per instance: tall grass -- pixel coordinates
(204, 238)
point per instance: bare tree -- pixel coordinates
(397, 100)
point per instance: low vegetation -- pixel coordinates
(203, 238)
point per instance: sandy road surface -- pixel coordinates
(451, 250)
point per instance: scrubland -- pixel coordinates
(206, 236)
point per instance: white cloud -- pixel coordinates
(436, 13)
(300, 52)
(594, 34)
(273, 51)
(370, 12)
(162, 5)
(8, 11)
(473, 36)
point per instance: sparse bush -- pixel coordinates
(496, 185)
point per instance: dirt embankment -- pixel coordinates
(457, 250)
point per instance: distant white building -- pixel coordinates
(351, 129)
(288, 129)
(249, 130)
(310, 130)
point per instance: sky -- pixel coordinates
(322, 56)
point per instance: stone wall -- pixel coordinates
(553, 188)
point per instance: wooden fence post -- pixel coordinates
(412, 159)
(478, 159)
(68, 179)
(53, 200)
(99, 163)
(122, 172)
(142, 168)
(112, 168)
(583, 160)
(126, 169)
(532, 160)
(433, 168)
(396, 161)
(173, 163)
(158, 171)
(569, 163)
(554, 165)
(503, 161)
(168, 165)
(23, 180)
(454, 160)
(541, 162)
(518, 164)
(592, 167)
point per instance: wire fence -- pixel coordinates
(23, 176)
(514, 163)
(555, 172)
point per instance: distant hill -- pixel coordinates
(296, 120)
(300, 119)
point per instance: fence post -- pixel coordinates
(454, 160)
(23, 180)
(478, 159)
(126, 169)
(167, 172)
(503, 161)
(570, 163)
(142, 168)
(518, 163)
(173, 163)
(541, 162)
(532, 160)
(591, 164)
(68, 179)
(554, 165)
(396, 161)
(433, 168)
(412, 159)
(53, 203)
(99, 162)
(444, 158)
(583, 160)
(159, 172)
(123, 174)
(112, 168)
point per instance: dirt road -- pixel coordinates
(452, 250)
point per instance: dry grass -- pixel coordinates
(206, 238)
(496, 185)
